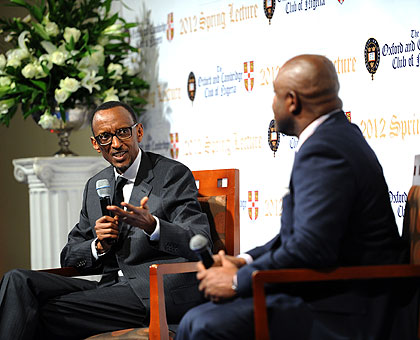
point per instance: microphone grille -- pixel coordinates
(198, 242)
(103, 188)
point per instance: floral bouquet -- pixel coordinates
(66, 53)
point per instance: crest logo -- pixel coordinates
(269, 7)
(253, 210)
(174, 145)
(348, 115)
(170, 28)
(249, 75)
(192, 86)
(372, 56)
(273, 137)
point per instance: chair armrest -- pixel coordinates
(260, 278)
(65, 271)
(158, 328)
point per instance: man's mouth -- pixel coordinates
(119, 154)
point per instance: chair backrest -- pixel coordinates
(411, 224)
(218, 192)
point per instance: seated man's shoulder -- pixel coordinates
(158, 159)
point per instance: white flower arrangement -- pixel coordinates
(66, 53)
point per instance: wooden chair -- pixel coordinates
(219, 198)
(411, 230)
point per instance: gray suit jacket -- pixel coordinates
(172, 194)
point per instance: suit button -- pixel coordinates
(81, 263)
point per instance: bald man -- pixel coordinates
(337, 213)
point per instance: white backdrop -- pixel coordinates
(226, 124)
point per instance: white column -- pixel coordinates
(55, 197)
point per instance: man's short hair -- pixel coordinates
(110, 105)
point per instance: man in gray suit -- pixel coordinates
(152, 222)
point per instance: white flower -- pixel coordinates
(22, 39)
(124, 93)
(2, 61)
(48, 46)
(58, 58)
(5, 105)
(14, 57)
(98, 56)
(49, 122)
(29, 71)
(69, 84)
(103, 40)
(131, 71)
(21, 53)
(61, 95)
(112, 98)
(113, 29)
(45, 60)
(117, 68)
(12, 60)
(27, 19)
(90, 80)
(52, 29)
(39, 72)
(70, 32)
(111, 95)
(5, 81)
(8, 38)
(86, 63)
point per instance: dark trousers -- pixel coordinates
(37, 305)
(384, 313)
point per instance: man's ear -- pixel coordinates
(139, 132)
(95, 144)
(294, 103)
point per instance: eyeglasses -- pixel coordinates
(122, 134)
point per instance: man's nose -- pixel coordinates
(116, 143)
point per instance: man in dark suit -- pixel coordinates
(337, 213)
(156, 224)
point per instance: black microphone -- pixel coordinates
(103, 188)
(200, 245)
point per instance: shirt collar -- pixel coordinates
(131, 173)
(311, 128)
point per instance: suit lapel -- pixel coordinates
(142, 186)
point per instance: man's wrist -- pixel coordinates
(99, 249)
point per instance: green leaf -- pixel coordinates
(86, 37)
(40, 84)
(108, 6)
(36, 12)
(51, 5)
(111, 20)
(41, 31)
(34, 109)
(19, 2)
(45, 68)
(131, 25)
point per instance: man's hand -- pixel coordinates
(139, 217)
(237, 261)
(106, 228)
(216, 282)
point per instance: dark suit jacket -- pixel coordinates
(337, 213)
(172, 194)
